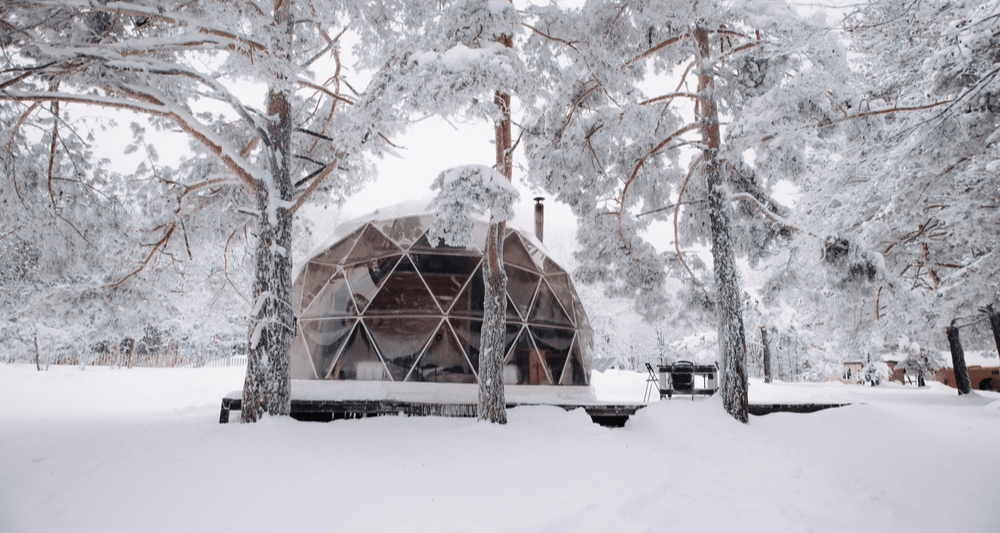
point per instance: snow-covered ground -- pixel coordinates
(106, 450)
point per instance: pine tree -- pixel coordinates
(611, 151)
(458, 59)
(159, 58)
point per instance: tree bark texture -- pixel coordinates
(994, 317)
(38, 356)
(492, 403)
(267, 387)
(962, 382)
(732, 337)
(767, 355)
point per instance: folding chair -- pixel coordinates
(652, 383)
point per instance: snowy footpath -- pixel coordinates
(141, 451)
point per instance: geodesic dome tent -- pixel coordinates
(380, 303)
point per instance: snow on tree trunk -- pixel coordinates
(732, 338)
(38, 356)
(994, 317)
(492, 406)
(962, 382)
(267, 387)
(767, 354)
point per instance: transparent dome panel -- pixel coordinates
(521, 287)
(404, 292)
(334, 300)
(553, 348)
(582, 322)
(324, 339)
(406, 230)
(522, 366)
(575, 372)
(547, 309)
(334, 254)
(585, 346)
(537, 255)
(445, 275)
(316, 276)
(443, 361)
(365, 279)
(424, 246)
(372, 244)
(359, 360)
(550, 267)
(469, 302)
(297, 292)
(515, 254)
(469, 334)
(512, 314)
(301, 365)
(562, 287)
(400, 340)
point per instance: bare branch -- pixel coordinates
(324, 90)
(894, 109)
(671, 96)
(52, 150)
(157, 246)
(320, 175)
(656, 48)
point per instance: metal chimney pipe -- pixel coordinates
(539, 218)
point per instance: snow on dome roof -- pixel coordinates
(412, 208)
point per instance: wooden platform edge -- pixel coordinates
(609, 415)
(761, 409)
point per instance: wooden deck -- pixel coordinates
(761, 409)
(607, 415)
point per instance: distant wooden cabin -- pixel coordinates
(984, 371)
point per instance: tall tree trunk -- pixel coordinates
(962, 382)
(131, 353)
(994, 317)
(492, 403)
(767, 354)
(732, 337)
(38, 355)
(267, 387)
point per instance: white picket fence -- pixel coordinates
(235, 360)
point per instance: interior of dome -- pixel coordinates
(382, 304)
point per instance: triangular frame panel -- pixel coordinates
(442, 348)
(398, 340)
(515, 254)
(546, 309)
(335, 254)
(522, 288)
(444, 285)
(474, 283)
(372, 244)
(367, 373)
(335, 300)
(395, 292)
(562, 287)
(404, 231)
(323, 361)
(366, 279)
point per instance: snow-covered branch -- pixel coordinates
(155, 12)
(462, 189)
